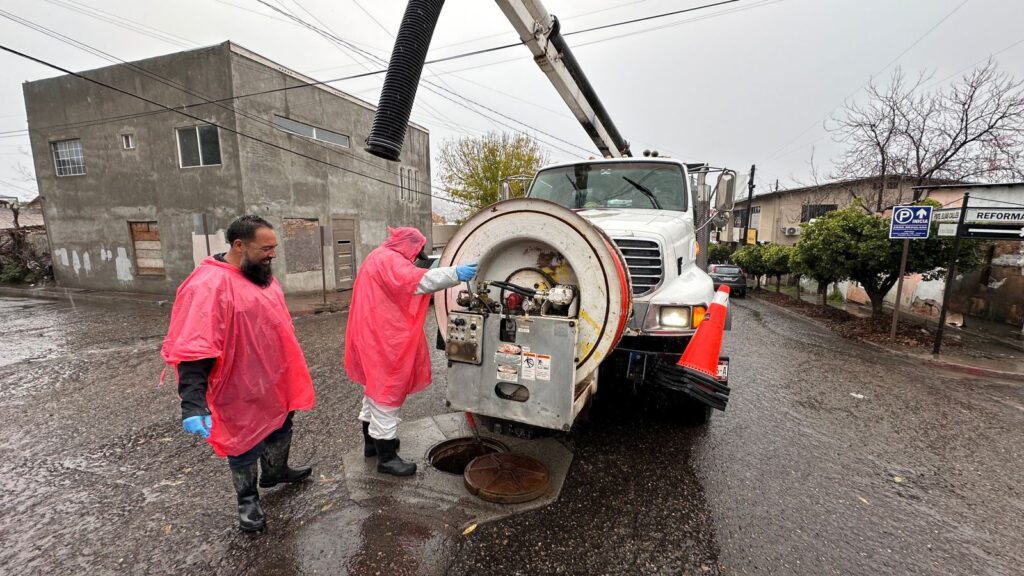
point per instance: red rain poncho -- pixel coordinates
(260, 374)
(385, 349)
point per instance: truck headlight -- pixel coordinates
(674, 317)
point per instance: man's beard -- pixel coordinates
(258, 272)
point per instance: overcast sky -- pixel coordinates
(740, 84)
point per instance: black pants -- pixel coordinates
(254, 453)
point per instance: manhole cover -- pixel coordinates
(452, 456)
(506, 478)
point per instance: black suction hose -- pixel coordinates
(402, 78)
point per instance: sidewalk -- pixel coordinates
(298, 304)
(977, 353)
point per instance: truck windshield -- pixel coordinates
(613, 185)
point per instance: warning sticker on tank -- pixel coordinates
(543, 366)
(507, 373)
(508, 354)
(529, 366)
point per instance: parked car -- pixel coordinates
(730, 275)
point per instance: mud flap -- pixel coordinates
(711, 391)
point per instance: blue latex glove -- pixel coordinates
(466, 271)
(199, 425)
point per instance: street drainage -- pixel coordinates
(489, 471)
(453, 456)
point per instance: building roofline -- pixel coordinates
(247, 53)
(979, 185)
(851, 181)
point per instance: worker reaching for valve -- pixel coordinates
(241, 372)
(385, 349)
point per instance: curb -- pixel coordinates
(58, 294)
(940, 363)
(100, 297)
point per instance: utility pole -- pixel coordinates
(750, 198)
(950, 274)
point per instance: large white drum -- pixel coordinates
(522, 241)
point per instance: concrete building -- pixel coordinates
(776, 216)
(135, 196)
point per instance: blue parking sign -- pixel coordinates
(910, 222)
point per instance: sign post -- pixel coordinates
(908, 223)
(950, 274)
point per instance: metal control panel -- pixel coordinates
(463, 337)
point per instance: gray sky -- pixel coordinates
(749, 82)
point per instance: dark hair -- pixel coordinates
(244, 228)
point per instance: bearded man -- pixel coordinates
(241, 372)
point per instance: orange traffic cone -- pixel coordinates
(696, 373)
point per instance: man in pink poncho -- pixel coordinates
(385, 348)
(241, 373)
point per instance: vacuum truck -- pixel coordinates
(593, 276)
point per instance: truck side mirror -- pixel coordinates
(725, 191)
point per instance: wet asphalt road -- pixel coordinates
(799, 476)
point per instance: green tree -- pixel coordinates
(472, 169)
(821, 252)
(853, 244)
(751, 259)
(719, 253)
(776, 261)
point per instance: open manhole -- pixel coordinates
(452, 456)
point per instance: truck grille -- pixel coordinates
(643, 257)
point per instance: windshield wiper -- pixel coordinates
(647, 192)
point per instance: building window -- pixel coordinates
(300, 129)
(740, 217)
(128, 141)
(199, 146)
(68, 157)
(811, 211)
(149, 257)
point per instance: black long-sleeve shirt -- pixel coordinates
(192, 381)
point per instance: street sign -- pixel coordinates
(982, 215)
(994, 231)
(947, 229)
(910, 222)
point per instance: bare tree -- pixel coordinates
(971, 130)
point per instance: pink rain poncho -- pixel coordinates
(261, 374)
(385, 349)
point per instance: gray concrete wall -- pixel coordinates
(346, 181)
(87, 216)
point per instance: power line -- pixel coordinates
(652, 17)
(304, 84)
(219, 126)
(81, 45)
(435, 87)
(861, 87)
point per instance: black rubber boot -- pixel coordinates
(250, 515)
(388, 460)
(369, 450)
(275, 464)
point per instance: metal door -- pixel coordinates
(344, 234)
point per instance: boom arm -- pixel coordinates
(540, 32)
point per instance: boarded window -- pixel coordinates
(302, 245)
(149, 256)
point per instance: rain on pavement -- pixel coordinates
(831, 459)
